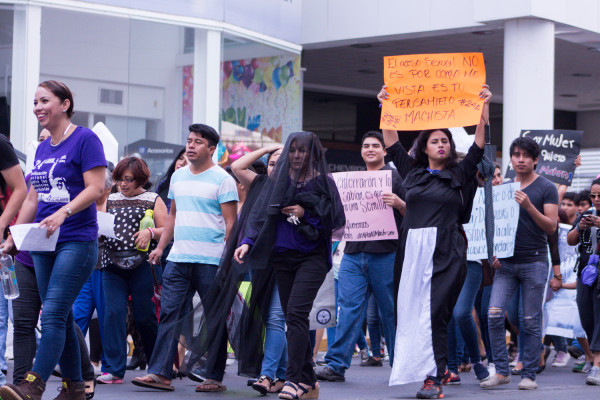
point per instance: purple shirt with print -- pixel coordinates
(57, 176)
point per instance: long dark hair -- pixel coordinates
(420, 146)
(163, 186)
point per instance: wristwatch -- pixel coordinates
(559, 277)
(69, 212)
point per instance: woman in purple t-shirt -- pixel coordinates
(67, 178)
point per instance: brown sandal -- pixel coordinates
(277, 386)
(312, 392)
(155, 383)
(211, 382)
(260, 386)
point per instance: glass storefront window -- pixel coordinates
(133, 83)
(126, 74)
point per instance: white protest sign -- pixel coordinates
(560, 312)
(30, 237)
(106, 225)
(506, 218)
(367, 216)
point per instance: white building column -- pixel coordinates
(528, 79)
(25, 74)
(207, 77)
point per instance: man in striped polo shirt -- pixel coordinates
(203, 209)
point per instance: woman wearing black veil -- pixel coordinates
(290, 230)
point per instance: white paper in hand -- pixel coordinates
(106, 225)
(30, 237)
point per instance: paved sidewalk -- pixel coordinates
(362, 383)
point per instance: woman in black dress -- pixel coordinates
(431, 262)
(290, 231)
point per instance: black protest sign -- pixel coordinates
(558, 150)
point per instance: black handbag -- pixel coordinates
(126, 259)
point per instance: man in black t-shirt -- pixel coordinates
(11, 180)
(527, 268)
(367, 267)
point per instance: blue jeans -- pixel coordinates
(275, 358)
(60, 275)
(514, 310)
(532, 279)
(117, 285)
(180, 281)
(361, 342)
(462, 317)
(374, 326)
(360, 275)
(560, 343)
(4, 316)
(91, 297)
(484, 304)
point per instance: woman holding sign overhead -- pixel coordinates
(431, 262)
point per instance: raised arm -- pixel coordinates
(240, 167)
(562, 189)
(389, 136)
(486, 95)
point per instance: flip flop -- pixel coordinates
(157, 384)
(210, 382)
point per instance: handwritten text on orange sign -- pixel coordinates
(429, 91)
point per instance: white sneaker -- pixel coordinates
(514, 362)
(593, 377)
(364, 355)
(561, 359)
(587, 367)
(491, 369)
(527, 384)
(495, 380)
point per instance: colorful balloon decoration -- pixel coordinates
(238, 72)
(268, 76)
(276, 81)
(227, 68)
(248, 75)
(284, 75)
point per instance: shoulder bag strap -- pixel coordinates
(594, 232)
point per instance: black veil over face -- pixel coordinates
(300, 177)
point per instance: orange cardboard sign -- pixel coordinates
(430, 91)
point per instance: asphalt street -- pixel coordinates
(362, 383)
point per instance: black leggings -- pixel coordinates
(299, 278)
(588, 304)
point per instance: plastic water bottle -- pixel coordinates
(8, 277)
(145, 223)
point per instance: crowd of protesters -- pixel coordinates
(428, 312)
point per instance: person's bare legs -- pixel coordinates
(318, 339)
(585, 345)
